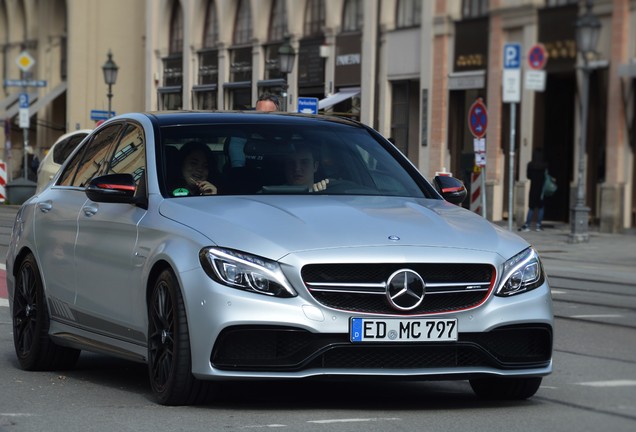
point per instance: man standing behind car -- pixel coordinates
(266, 103)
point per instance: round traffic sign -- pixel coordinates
(537, 56)
(478, 119)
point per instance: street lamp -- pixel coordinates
(588, 27)
(110, 69)
(286, 56)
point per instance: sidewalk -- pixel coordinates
(606, 257)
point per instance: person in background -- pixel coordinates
(535, 172)
(33, 162)
(267, 102)
(194, 161)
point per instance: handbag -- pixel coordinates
(549, 185)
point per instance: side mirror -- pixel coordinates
(452, 189)
(113, 188)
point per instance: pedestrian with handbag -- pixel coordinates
(536, 172)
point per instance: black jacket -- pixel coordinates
(536, 174)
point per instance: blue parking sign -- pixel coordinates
(23, 100)
(308, 105)
(512, 56)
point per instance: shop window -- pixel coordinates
(211, 33)
(278, 21)
(170, 98)
(352, 16)
(314, 17)
(241, 64)
(243, 24)
(170, 92)
(205, 99)
(474, 8)
(408, 13)
(277, 33)
(208, 66)
(400, 116)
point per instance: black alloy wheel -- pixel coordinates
(169, 360)
(31, 322)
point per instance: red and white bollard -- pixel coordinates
(3, 181)
(476, 191)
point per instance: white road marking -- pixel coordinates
(354, 420)
(16, 415)
(264, 426)
(3, 266)
(612, 383)
(598, 316)
(558, 292)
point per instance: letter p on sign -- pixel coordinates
(512, 56)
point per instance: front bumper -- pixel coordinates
(280, 349)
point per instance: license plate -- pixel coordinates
(403, 330)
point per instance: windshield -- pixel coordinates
(270, 158)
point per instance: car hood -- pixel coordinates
(274, 226)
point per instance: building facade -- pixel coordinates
(410, 68)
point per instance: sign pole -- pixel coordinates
(478, 124)
(483, 192)
(512, 95)
(511, 166)
(24, 124)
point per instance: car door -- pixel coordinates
(55, 224)
(104, 251)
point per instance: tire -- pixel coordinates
(505, 388)
(169, 359)
(31, 322)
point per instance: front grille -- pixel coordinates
(362, 287)
(289, 349)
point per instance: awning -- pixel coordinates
(237, 85)
(38, 103)
(335, 99)
(276, 82)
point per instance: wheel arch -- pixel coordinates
(17, 262)
(154, 273)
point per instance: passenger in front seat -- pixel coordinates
(194, 161)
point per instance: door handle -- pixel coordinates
(45, 206)
(89, 210)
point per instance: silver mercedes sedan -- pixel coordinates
(221, 246)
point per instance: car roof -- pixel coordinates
(165, 118)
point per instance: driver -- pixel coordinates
(301, 166)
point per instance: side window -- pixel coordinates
(90, 161)
(130, 154)
(66, 147)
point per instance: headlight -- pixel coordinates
(246, 272)
(521, 273)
